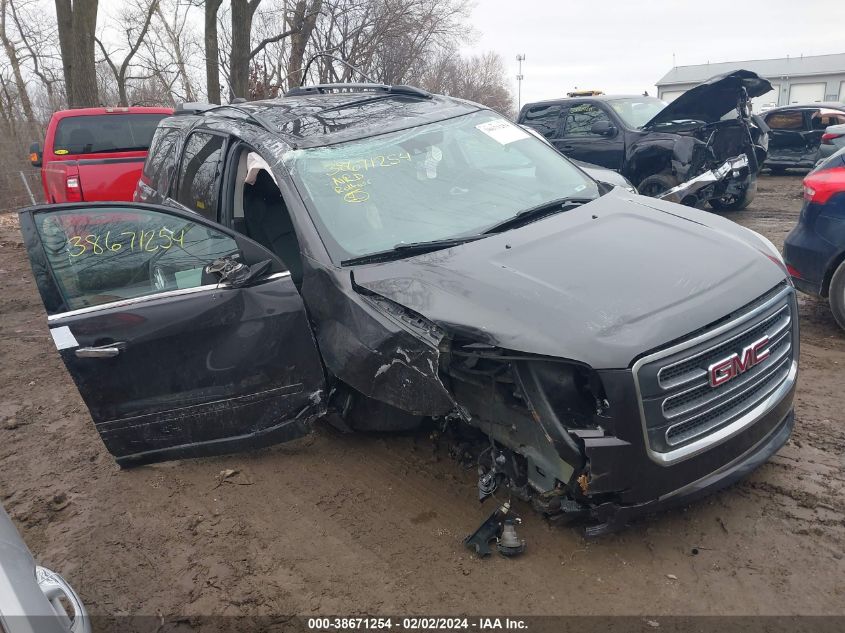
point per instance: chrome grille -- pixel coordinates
(680, 408)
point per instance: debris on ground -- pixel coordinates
(500, 527)
(233, 476)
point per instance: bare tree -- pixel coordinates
(301, 21)
(166, 53)
(11, 48)
(37, 37)
(239, 55)
(212, 51)
(389, 40)
(135, 27)
(77, 22)
(479, 78)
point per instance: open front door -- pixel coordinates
(171, 358)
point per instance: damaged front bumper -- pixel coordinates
(692, 189)
(749, 450)
(615, 516)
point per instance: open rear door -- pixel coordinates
(171, 359)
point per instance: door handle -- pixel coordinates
(106, 351)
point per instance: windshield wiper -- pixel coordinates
(533, 214)
(408, 249)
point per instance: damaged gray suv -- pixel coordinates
(385, 257)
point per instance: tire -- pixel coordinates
(653, 186)
(735, 203)
(836, 295)
(777, 170)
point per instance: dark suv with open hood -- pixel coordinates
(705, 146)
(392, 257)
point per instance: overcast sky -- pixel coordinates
(624, 46)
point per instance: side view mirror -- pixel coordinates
(35, 154)
(603, 128)
(237, 274)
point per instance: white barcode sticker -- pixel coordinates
(502, 131)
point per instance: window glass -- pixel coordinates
(545, 119)
(105, 133)
(637, 111)
(786, 120)
(825, 118)
(158, 168)
(200, 172)
(580, 119)
(104, 255)
(430, 182)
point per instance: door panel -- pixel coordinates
(185, 368)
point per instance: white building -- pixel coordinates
(805, 79)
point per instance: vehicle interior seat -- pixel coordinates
(268, 222)
(79, 139)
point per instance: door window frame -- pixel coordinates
(589, 135)
(227, 143)
(55, 302)
(563, 109)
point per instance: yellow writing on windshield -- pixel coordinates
(365, 164)
(348, 178)
(351, 187)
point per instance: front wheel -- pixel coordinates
(836, 295)
(653, 186)
(735, 202)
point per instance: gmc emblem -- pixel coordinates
(736, 364)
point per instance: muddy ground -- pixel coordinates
(335, 524)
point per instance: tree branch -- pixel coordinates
(108, 59)
(270, 40)
(134, 48)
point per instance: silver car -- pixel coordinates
(32, 598)
(833, 140)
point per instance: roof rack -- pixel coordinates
(194, 107)
(322, 89)
(257, 118)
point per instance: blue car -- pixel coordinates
(814, 251)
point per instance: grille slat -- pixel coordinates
(680, 406)
(703, 394)
(738, 405)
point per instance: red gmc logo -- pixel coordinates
(736, 364)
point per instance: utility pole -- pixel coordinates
(520, 59)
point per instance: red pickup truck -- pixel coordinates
(95, 153)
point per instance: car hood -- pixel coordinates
(600, 284)
(713, 99)
(603, 174)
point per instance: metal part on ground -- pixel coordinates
(509, 543)
(487, 531)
